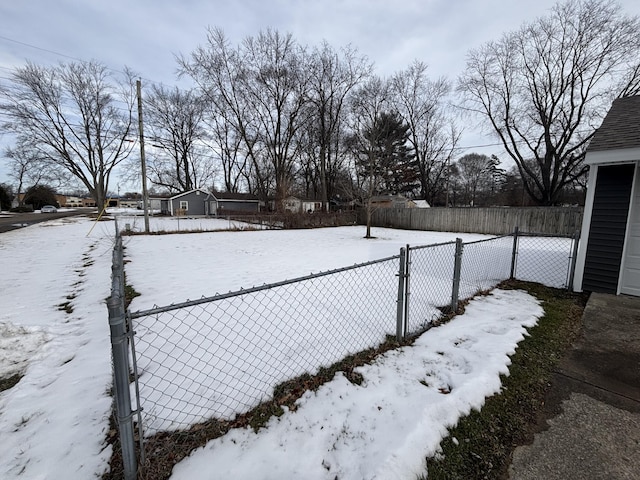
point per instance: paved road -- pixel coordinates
(19, 220)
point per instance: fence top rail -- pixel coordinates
(419, 247)
(484, 240)
(245, 291)
(547, 235)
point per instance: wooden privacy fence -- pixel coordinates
(490, 220)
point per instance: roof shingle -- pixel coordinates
(620, 128)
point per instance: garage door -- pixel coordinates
(630, 281)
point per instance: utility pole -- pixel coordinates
(145, 196)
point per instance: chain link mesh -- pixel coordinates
(485, 263)
(430, 283)
(222, 356)
(544, 259)
(225, 356)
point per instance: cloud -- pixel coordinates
(146, 35)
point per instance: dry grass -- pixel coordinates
(164, 450)
(485, 439)
(481, 445)
(8, 382)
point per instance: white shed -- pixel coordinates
(608, 258)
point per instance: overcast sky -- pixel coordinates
(145, 35)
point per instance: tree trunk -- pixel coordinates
(369, 215)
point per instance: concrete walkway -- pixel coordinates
(593, 407)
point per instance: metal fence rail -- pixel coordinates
(221, 356)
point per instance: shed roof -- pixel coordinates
(620, 128)
(235, 196)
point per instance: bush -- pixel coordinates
(40, 195)
(5, 197)
(22, 209)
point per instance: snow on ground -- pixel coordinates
(134, 221)
(324, 320)
(53, 422)
(167, 269)
(385, 427)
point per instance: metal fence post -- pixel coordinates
(514, 254)
(572, 262)
(401, 295)
(457, 268)
(120, 354)
(407, 290)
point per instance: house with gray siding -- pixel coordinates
(191, 203)
(223, 203)
(608, 257)
(199, 202)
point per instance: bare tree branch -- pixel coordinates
(544, 88)
(76, 117)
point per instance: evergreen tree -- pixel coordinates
(388, 156)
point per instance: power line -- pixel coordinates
(63, 55)
(40, 48)
(59, 54)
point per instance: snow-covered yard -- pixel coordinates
(54, 421)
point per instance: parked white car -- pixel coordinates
(48, 209)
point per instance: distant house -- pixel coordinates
(221, 203)
(295, 204)
(391, 201)
(61, 200)
(199, 202)
(155, 203)
(128, 202)
(608, 259)
(191, 203)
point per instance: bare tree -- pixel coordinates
(227, 142)
(262, 85)
(545, 87)
(630, 84)
(368, 104)
(476, 174)
(334, 75)
(77, 116)
(26, 167)
(433, 133)
(176, 119)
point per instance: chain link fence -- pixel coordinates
(429, 284)
(546, 259)
(221, 356)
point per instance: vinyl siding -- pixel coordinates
(608, 227)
